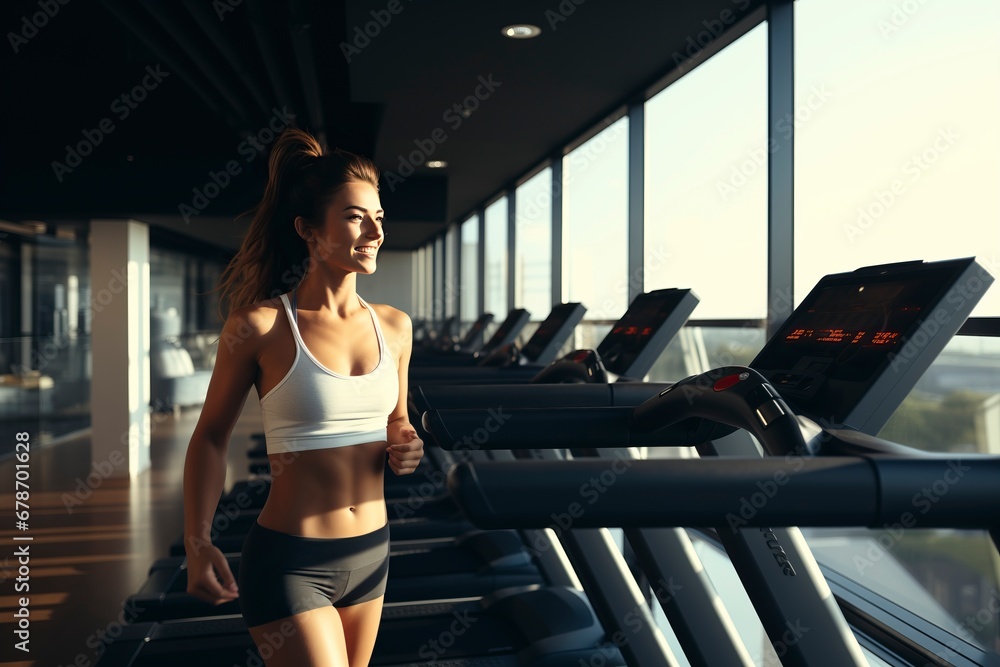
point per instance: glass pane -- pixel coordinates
(595, 224)
(437, 295)
(727, 584)
(897, 136)
(496, 259)
(450, 271)
(533, 249)
(45, 373)
(706, 182)
(470, 270)
(428, 293)
(699, 349)
(948, 577)
(418, 285)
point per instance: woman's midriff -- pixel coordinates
(327, 493)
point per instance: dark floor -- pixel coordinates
(93, 543)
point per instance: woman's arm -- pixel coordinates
(405, 448)
(205, 462)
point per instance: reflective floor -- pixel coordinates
(95, 538)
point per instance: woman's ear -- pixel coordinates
(303, 230)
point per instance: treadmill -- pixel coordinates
(505, 334)
(472, 562)
(843, 362)
(552, 625)
(540, 350)
(446, 344)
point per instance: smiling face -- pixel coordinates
(351, 233)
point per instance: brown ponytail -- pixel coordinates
(302, 180)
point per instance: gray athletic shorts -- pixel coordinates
(282, 575)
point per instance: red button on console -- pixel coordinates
(726, 382)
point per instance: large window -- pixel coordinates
(897, 136)
(595, 224)
(418, 284)
(706, 183)
(437, 295)
(450, 271)
(896, 159)
(469, 298)
(496, 259)
(533, 250)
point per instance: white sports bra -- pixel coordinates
(314, 408)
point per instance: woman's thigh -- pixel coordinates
(312, 638)
(361, 623)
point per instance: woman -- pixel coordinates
(331, 374)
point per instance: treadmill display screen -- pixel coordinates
(476, 329)
(547, 329)
(851, 327)
(513, 319)
(854, 326)
(630, 335)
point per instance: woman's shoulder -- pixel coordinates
(254, 320)
(392, 318)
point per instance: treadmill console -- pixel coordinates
(472, 340)
(856, 345)
(544, 344)
(638, 339)
(508, 329)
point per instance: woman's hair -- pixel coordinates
(302, 180)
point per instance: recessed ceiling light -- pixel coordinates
(521, 31)
(437, 164)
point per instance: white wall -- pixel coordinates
(392, 282)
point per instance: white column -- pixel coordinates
(119, 386)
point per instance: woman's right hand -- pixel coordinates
(209, 576)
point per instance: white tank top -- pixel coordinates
(314, 408)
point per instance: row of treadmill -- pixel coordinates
(501, 552)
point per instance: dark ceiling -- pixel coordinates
(164, 96)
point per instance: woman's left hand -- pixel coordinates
(405, 450)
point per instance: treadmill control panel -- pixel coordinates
(856, 329)
(640, 336)
(550, 327)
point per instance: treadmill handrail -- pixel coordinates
(735, 395)
(737, 492)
